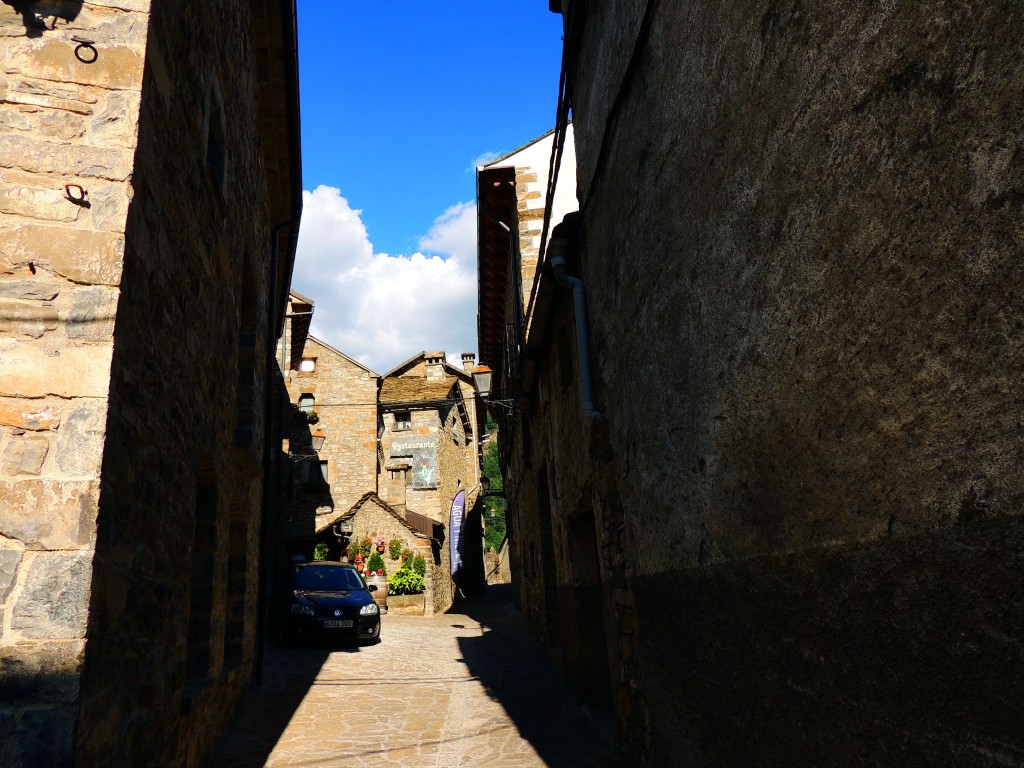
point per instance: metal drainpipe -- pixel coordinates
(267, 541)
(557, 251)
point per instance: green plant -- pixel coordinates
(394, 549)
(405, 582)
(320, 551)
(312, 417)
(494, 506)
(406, 558)
(376, 563)
(419, 565)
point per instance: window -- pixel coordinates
(313, 471)
(403, 421)
(308, 365)
(306, 403)
(215, 138)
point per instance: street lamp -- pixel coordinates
(485, 484)
(482, 380)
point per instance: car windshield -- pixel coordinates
(318, 578)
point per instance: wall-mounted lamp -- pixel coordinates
(482, 380)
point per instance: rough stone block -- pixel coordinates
(50, 514)
(68, 160)
(26, 371)
(29, 290)
(40, 672)
(92, 314)
(9, 559)
(28, 415)
(79, 446)
(19, 318)
(80, 256)
(46, 736)
(29, 92)
(25, 454)
(54, 60)
(54, 602)
(45, 203)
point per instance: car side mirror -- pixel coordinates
(371, 588)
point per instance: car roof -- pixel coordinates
(327, 563)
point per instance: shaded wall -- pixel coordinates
(801, 240)
(172, 620)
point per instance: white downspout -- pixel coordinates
(556, 252)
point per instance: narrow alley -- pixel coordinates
(467, 688)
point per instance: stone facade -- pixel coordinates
(343, 395)
(797, 517)
(423, 403)
(130, 488)
(371, 517)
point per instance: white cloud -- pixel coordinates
(381, 309)
(484, 159)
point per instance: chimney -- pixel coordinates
(468, 362)
(435, 366)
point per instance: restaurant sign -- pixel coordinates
(422, 453)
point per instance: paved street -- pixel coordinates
(468, 688)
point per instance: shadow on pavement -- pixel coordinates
(266, 710)
(517, 673)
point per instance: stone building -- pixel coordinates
(334, 398)
(430, 423)
(149, 195)
(372, 517)
(789, 492)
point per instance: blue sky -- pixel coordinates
(399, 102)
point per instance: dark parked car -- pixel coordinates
(331, 600)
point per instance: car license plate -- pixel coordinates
(338, 624)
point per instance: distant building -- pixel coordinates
(430, 447)
(332, 398)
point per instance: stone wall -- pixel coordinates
(800, 229)
(173, 613)
(370, 519)
(63, 121)
(346, 405)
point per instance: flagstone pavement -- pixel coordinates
(467, 688)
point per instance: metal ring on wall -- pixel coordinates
(87, 46)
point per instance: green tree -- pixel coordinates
(494, 506)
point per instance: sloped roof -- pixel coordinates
(363, 500)
(338, 352)
(499, 161)
(414, 389)
(420, 357)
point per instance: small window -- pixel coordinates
(215, 138)
(403, 421)
(308, 365)
(307, 403)
(314, 472)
